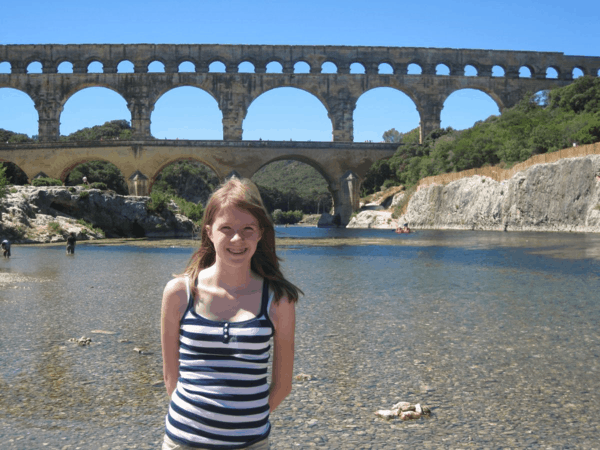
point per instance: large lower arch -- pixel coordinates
(190, 179)
(381, 109)
(96, 171)
(90, 106)
(17, 112)
(322, 198)
(155, 175)
(458, 108)
(187, 112)
(304, 112)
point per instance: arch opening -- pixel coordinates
(187, 113)
(299, 116)
(465, 107)
(293, 185)
(524, 72)
(385, 69)
(301, 67)
(65, 67)
(91, 107)
(471, 71)
(216, 67)
(551, 72)
(14, 174)
(125, 67)
(357, 68)
(414, 69)
(498, 71)
(186, 66)
(34, 67)
(156, 67)
(17, 115)
(328, 67)
(95, 67)
(274, 67)
(5, 67)
(189, 179)
(442, 69)
(381, 109)
(246, 67)
(577, 72)
(98, 173)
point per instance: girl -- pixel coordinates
(216, 322)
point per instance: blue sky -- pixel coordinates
(568, 27)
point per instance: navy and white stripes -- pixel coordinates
(222, 396)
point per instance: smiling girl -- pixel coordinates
(217, 320)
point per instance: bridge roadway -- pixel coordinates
(342, 164)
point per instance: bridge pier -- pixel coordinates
(347, 199)
(431, 117)
(340, 111)
(138, 184)
(49, 110)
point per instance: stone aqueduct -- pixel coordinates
(342, 162)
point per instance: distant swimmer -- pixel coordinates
(71, 243)
(403, 229)
(6, 248)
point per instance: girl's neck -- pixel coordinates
(230, 278)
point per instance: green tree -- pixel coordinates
(99, 172)
(3, 182)
(112, 130)
(563, 116)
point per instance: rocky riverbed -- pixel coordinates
(48, 214)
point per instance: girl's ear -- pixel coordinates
(208, 231)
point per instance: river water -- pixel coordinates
(496, 332)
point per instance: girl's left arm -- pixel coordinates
(283, 316)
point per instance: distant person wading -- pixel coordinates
(71, 243)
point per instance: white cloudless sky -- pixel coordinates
(283, 114)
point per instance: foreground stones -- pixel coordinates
(404, 411)
(82, 341)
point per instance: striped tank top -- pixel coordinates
(222, 396)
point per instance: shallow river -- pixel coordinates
(498, 333)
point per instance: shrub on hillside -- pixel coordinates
(43, 181)
(286, 217)
(99, 185)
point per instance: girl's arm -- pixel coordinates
(283, 316)
(174, 304)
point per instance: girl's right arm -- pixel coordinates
(174, 304)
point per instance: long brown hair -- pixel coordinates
(243, 194)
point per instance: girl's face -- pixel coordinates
(235, 235)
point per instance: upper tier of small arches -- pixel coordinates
(144, 58)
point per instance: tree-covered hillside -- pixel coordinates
(560, 118)
(292, 185)
(114, 129)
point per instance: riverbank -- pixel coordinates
(562, 196)
(49, 214)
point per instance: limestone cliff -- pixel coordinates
(560, 196)
(48, 214)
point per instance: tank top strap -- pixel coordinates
(265, 297)
(190, 297)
